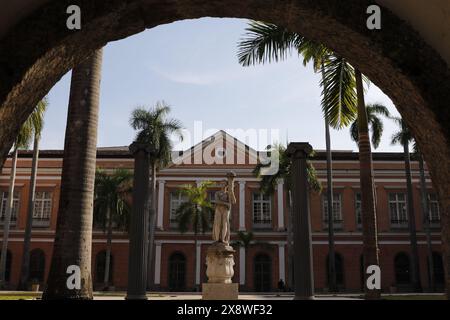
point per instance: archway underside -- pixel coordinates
(40, 50)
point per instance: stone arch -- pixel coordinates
(38, 50)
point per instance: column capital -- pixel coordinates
(136, 147)
(299, 150)
(161, 181)
(242, 182)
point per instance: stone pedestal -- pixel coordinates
(219, 270)
(220, 291)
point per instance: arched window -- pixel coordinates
(8, 265)
(339, 265)
(402, 269)
(37, 265)
(262, 273)
(177, 272)
(100, 267)
(438, 266)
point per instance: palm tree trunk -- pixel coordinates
(415, 271)
(426, 220)
(331, 254)
(108, 249)
(25, 270)
(368, 210)
(73, 238)
(7, 221)
(151, 233)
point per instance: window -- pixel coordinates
(262, 273)
(397, 209)
(42, 208)
(176, 200)
(37, 265)
(402, 269)
(3, 205)
(358, 209)
(177, 272)
(438, 267)
(337, 208)
(262, 216)
(433, 207)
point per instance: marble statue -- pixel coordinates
(223, 201)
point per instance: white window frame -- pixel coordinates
(434, 216)
(15, 208)
(398, 218)
(337, 209)
(43, 201)
(176, 199)
(264, 220)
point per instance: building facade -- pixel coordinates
(180, 260)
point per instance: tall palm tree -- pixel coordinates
(38, 124)
(154, 130)
(367, 185)
(404, 138)
(426, 217)
(111, 207)
(73, 238)
(33, 125)
(196, 212)
(374, 113)
(342, 96)
(268, 186)
(266, 42)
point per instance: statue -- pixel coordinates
(223, 201)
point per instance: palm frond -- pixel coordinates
(339, 92)
(266, 42)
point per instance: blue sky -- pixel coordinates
(193, 66)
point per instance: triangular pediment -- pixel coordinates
(220, 149)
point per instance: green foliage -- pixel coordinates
(339, 99)
(244, 239)
(33, 126)
(269, 182)
(197, 211)
(374, 111)
(154, 130)
(111, 191)
(404, 135)
(266, 43)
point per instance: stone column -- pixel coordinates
(303, 271)
(160, 204)
(242, 266)
(137, 271)
(280, 194)
(242, 205)
(157, 263)
(281, 263)
(197, 263)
